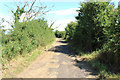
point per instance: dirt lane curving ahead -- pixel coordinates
(57, 62)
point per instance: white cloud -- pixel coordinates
(7, 25)
(8, 21)
(65, 11)
(61, 24)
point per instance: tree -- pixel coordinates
(28, 10)
(87, 33)
(99, 29)
(70, 30)
(18, 13)
(109, 21)
(60, 34)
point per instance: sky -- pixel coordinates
(61, 12)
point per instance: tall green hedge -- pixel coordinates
(25, 37)
(99, 29)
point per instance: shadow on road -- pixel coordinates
(65, 49)
(62, 41)
(62, 49)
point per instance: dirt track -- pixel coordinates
(57, 62)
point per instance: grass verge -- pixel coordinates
(12, 68)
(102, 69)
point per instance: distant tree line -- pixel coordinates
(60, 34)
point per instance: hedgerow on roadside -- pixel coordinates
(98, 29)
(25, 37)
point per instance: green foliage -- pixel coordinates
(86, 36)
(70, 30)
(98, 28)
(25, 37)
(18, 13)
(111, 33)
(60, 34)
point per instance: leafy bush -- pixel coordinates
(25, 37)
(60, 34)
(98, 28)
(88, 34)
(70, 30)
